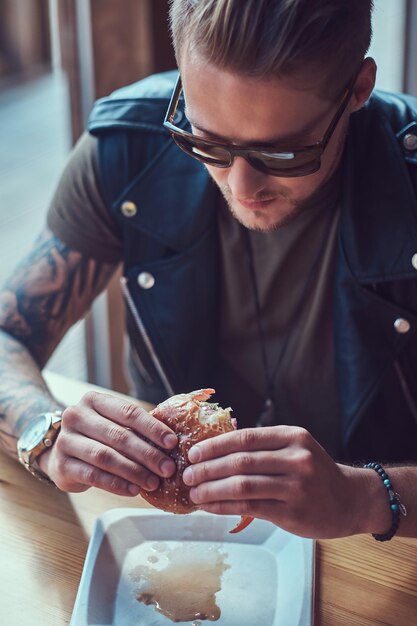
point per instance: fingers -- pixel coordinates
(130, 415)
(234, 465)
(106, 461)
(240, 488)
(126, 442)
(296, 459)
(249, 439)
(112, 444)
(78, 476)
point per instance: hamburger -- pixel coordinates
(192, 419)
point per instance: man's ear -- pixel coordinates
(364, 84)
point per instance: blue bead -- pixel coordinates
(387, 482)
(394, 507)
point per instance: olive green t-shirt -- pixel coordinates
(294, 274)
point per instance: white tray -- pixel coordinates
(269, 582)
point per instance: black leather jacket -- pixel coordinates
(171, 243)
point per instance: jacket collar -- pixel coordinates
(176, 194)
(378, 236)
(379, 208)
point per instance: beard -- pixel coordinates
(293, 208)
(287, 208)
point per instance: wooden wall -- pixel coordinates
(24, 38)
(123, 42)
(106, 44)
(130, 40)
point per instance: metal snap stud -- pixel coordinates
(146, 280)
(410, 141)
(402, 326)
(129, 209)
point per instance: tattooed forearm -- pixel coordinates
(49, 291)
(23, 392)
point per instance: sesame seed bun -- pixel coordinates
(193, 419)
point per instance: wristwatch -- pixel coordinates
(37, 437)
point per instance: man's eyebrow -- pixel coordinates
(300, 134)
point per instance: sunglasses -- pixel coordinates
(274, 160)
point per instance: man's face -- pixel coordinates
(246, 111)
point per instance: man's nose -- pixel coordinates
(244, 181)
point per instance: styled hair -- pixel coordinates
(276, 38)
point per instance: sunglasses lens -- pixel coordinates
(285, 164)
(210, 154)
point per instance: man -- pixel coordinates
(289, 284)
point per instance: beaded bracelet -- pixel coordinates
(394, 502)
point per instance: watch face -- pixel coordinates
(35, 432)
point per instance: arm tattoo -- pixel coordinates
(50, 290)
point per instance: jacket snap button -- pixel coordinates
(146, 280)
(129, 209)
(401, 325)
(414, 261)
(410, 141)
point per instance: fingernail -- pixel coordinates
(188, 476)
(169, 440)
(167, 467)
(194, 454)
(133, 490)
(152, 483)
(194, 494)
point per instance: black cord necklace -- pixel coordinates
(268, 415)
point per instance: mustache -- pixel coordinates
(263, 194)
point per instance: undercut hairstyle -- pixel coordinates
(324, 39)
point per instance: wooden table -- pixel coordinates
(44, 536)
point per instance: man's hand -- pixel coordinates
(109, 443)
(283, 475)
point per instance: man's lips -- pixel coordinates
(256, 205)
